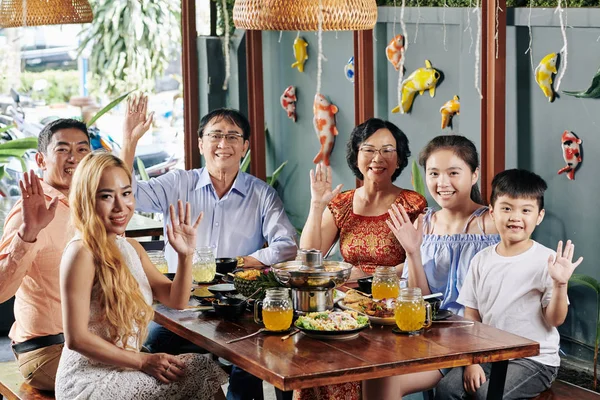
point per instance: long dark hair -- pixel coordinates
(463, 148)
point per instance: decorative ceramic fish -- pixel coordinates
(288, 102)
(420, 80)
(324, 122)
(349, 69)
(300, 53)
(571, 153)
(593, 92)
(448, 110)
(543, 75)
(393, 51)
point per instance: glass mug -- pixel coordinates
(158, 259)
(386, 284)
(277, 310)
(412, 313)
(204, 267)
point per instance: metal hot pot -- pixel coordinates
(312, 280)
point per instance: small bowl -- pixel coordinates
(435, 302)
(229, 308)
(225, 265)
(170, 275)
(222, 289)
(365, 284)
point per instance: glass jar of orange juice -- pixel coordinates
(412, 313)
(386, 284)
(277, 310)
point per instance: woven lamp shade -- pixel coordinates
(44, 12)
(303, 15)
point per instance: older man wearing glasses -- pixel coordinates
(241, 212)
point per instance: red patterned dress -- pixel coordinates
(365, 242)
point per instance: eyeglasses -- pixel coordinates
(230, 138)
(386, 151)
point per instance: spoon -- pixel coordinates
(247, 336)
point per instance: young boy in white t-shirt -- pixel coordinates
(519, 286)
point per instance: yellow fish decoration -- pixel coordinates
(420, 80)
(300, 53)
(543, 75)
(448, 110)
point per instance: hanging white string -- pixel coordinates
(226, 45)
(320, 42)
(24, 13)
(529, 49)
(497, 28)
(336, 35)
(418, 20)
(469, 24)
(402, 54)
(564, 50)
(280, 35)
(478, 49)
(444, 23)
(298, 35)
(394, 24)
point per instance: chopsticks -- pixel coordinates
(290, 335)
(465, 323)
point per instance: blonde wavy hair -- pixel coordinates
(122, 304)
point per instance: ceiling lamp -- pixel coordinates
(303, 15)
(14, 13)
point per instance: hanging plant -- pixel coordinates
(221, 19)
(131, 42)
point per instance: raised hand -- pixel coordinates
(561, 267)
(401, 226)
(321, 186)
(136, 122)
(181, 233)
(36, 216)
(164, 367)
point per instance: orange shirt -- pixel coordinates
(31, 271)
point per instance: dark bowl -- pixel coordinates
(225, 265)
(435, 302)
(365, 284)
(229, 308)
(170, 275)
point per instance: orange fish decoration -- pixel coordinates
(571, 153)
(324, 122)
(448, 110)
(393, 51)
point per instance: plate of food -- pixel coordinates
(380, 312)
(332, 324)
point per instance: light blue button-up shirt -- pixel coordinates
(238, 224)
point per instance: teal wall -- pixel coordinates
(533, 126)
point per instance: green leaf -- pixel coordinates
(142, 169)
(417, 179)
(18, 153)
(24, 143)
(586, 281)
(108, 107)
(7, 128)
(271, 181)
(245, 162)
(1, 172)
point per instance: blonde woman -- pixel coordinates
(107, 286)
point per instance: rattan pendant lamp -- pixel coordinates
(303, 15)
(14, 13)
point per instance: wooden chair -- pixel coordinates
(13, 386)
(562, 390)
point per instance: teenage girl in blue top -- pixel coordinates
(440, 244)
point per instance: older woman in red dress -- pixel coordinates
(377, 153)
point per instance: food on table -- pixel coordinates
(249, 281)
(352, 296)
(379, 309)
(332, 321)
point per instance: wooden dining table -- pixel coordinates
(303, 362)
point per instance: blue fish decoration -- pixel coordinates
(349, 69)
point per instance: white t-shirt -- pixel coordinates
(510, 292)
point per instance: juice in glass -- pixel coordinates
(385, 290)
(277, 319)
(409, 315)
(204, 272)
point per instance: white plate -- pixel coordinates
(375, 320)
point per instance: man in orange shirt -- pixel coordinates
(36, 232)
